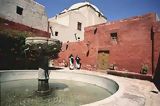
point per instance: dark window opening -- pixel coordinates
(104, 51)
(79, 26)
(114, 36)
(56, 33)
(19, 10)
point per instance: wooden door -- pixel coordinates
(103, 60)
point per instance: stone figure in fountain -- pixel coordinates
(42, 49)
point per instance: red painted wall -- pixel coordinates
(133, 48)
(80, 49)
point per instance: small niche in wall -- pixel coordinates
(56, 33)
(19, 10)
(87, 54)
(67, 45)
(99, 15)
(95, 31)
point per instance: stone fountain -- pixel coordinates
(42, 49)
(71, 88)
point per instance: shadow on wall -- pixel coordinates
(157, 75)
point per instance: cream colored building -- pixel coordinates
(27, 12)
(69, 24)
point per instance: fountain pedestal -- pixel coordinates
(41, 49)
(43, 85)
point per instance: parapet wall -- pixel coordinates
(6, 24)
(27, 12)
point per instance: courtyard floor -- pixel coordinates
(134, 92)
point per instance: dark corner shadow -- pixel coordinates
(58, 86)
(54, 68)
(156, 78)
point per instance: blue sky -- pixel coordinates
(112, 9)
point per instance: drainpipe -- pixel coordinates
(51, 30)
(152, 40)
(48, 27)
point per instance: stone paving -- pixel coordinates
(135, 92)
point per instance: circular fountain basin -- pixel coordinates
(71, 88)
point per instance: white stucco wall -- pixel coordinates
(66, 23)
(63, 20)
(66, 33)
(92, 17)
(33, 13)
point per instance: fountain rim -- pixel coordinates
(109, 99)
(39, 40)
